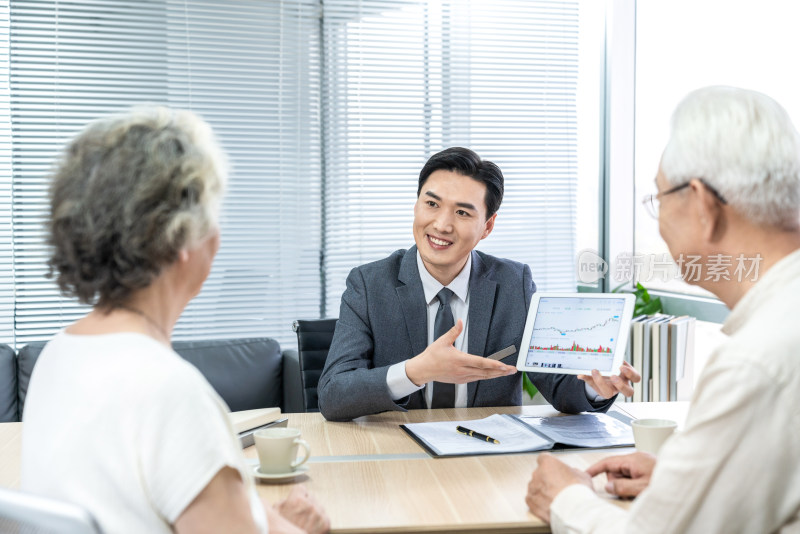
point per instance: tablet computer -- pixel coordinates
(573, 333)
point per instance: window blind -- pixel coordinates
(407, 79)
(325, 147)
(6, 230)
(251, 69)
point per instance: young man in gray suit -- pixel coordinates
(415, 328)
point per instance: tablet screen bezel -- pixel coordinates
(619, 349)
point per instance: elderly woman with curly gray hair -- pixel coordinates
(115, 421)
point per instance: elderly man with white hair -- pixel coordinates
(728, 187)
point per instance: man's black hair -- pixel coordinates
(465, 161)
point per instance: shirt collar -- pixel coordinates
(431, 286)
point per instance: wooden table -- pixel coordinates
(371, 477)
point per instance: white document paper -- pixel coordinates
(595, 430)
(445, 440)
(522, 434)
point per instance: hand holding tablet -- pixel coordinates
(574, 333)
(607, 387)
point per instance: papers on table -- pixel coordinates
(595, 430)
(444, 440)
(520, 434)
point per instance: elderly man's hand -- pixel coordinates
(627, 475)
(608, 386)
(550, 477)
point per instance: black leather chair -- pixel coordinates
(246, 373)
(8, 385)
(313, 341)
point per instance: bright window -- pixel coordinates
(683, 45)
(516, 80)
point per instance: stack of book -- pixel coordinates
(248, 422)
(661, 348)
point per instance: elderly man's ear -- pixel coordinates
(709, 212)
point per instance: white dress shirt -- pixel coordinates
(734, 468)
(396, 378)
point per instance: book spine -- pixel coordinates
(638, 330)
(665, 364)
(655, 364)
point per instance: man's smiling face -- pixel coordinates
(449, 220)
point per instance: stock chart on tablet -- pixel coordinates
(575, 333)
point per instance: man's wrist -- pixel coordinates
(592, 395)
(415, 371)
(398, 382)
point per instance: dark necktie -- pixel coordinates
(444, 395)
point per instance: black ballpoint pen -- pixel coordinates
(478, 435)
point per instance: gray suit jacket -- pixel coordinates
(383, 321)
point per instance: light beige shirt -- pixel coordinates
(736, 465)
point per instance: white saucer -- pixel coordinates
(278, 477)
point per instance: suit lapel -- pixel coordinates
(412, 302)
(481, 306)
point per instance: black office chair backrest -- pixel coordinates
(313, 341)
(246, 373)
(8, 385)
(26, 361)
(24, 512)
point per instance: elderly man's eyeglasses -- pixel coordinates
(651, 202)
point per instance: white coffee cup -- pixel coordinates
(277, 450)
(650, 434)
